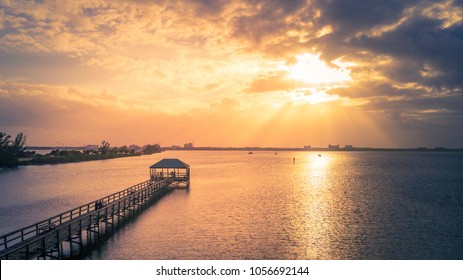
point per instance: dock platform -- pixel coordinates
(67, 234)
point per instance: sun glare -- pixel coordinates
(314, 97)
(313, 71)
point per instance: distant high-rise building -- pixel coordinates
(333, 147)
(91, 147)
(188, 145)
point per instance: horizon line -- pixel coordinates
(305, 148)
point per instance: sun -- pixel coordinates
(311, 70)
(315, 78)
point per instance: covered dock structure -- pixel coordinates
(172, 168)
(72, 233)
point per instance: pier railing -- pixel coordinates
(20, 235)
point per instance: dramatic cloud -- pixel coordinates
(265, 72)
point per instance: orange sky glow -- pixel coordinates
(232, 73)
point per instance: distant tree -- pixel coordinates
(114, 150)
(151, 149)
(104, 148)
(7, 157)
(123, 150)
(11, 150)
(4, 140)
(19, 144)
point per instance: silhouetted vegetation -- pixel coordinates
(151, 149)
(14, 152)
(105, 147)
(57, 156)
(103, 152)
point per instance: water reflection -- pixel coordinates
(262, 206)
(316, 202)
(317, 170)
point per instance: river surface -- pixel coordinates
(340, 205)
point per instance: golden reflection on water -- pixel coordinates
(316, 226)
(249, 207)
(325, 224)
(330, 208)
(261, 206)
(317, 170)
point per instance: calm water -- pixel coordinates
(365, 205)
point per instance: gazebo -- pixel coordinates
(171, 168)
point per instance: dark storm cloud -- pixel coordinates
(418, 43)
(422, 43)
(409, 110)
(447, 105)
(424, 51)
(375, 89)
(430, 115)
(351, 16)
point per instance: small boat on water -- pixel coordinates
(250, 153)
(319, 155)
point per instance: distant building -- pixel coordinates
(175, 147)
(188, 146)
(308, 147)
(348, 147)
(333, 147)
(91, 147)
(133, 147)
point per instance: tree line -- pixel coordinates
(13, 152)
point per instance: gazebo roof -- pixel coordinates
(170, 163)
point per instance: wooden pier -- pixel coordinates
(69, 233)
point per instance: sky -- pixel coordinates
(378, 73)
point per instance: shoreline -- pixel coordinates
(274, 149)
(60, 160)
